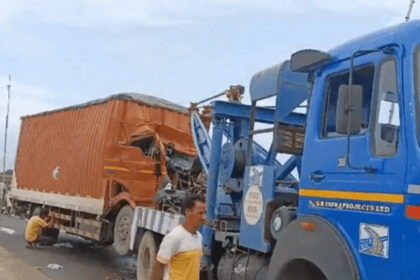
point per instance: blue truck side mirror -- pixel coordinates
(349, 105)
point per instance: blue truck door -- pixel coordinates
(411, 256)
(364, 202)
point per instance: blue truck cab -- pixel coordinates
(336, 195)
(365, 185)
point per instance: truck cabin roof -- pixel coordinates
(402, 34)
(398, 35)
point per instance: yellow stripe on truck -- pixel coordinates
(360, 196)
(145, 171)
(116, 168)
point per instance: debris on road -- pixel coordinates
(96, 245)
(54, 266)
(63, 245)
(116, 276)
(8, 230)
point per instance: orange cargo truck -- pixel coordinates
(93, 163)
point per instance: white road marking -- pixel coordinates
(54, 266)
(7, 230)
(66, 245)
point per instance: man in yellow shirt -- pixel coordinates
(34, 227)
(179, 255)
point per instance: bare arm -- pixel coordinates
(50, 221)
(157, 271)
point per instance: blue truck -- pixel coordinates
(336, 192)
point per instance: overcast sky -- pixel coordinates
(62, 52)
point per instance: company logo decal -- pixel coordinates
(362, 207)
(374, 240)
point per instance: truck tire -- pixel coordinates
(122, 229)
(146, 255)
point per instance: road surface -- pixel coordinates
(80, 259)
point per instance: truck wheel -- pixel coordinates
(301, 270)
(146, 255)
(122, 229)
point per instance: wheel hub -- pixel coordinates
(123, 228)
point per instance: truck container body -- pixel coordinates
(97, 157)
(345, 201)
